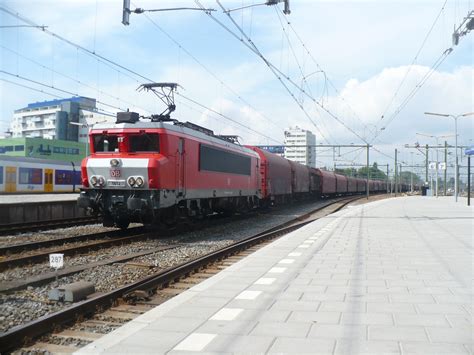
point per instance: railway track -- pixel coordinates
(144, 293)
(107, 239)
(14, 228)
(36, 245)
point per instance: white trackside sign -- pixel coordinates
(56, 261)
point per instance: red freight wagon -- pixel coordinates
(371, 186)
(300, 177)
(328, 182)
(275, 175)
(314, 180)
(351, 184)
(341, 184)
(361, 185)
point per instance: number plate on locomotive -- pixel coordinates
(115, 173)
(116, 183)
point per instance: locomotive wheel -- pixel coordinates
(122, 223)
(107, 221)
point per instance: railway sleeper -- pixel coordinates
(51, 348)
(78, 334)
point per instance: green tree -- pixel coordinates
(405, 178)
(374, 171)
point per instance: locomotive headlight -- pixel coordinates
(139, 181)
(114, 162)
(94, 180)
(101, 181)
(131, 181)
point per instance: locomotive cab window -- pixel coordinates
(146, 142)
(105, 143)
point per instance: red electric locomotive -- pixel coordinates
(156, 172)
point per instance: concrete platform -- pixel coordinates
(31, 198)
(34, 208)
(392, 276)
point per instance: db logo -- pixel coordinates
(115, 173)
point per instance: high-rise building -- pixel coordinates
(52, 119)
(304, 151)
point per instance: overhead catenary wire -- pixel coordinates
(70, 77)
(299, 65)
(327, 79)
(56, 88)
(210, 114)
(272, 68)
(106, 113)
(30, 88)
(419, 84)
(414, 60)
(279, 74)
(103, 59)
(226, 117)
(93, 54)
(417, 87)
(209, 71)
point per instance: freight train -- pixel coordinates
(31, 175)
(162, 171)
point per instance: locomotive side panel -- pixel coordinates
(214, 170)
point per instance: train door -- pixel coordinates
(48, 180)
(10, 179)
(181, 167)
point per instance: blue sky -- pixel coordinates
(365, 47)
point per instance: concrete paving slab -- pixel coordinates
(338, 331)
(434, 320)
(237, 327)
(398, 333)
(282, 329)
(351, 346)
(286, 345)
(240, 344)
(423, 348)
(315, 317)
(146, 341)
(367, 318)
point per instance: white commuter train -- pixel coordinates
(31, 175)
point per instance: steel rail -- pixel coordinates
(38, 280)
(18, 248)
(72, 250)
(22, 334)
(49, 224)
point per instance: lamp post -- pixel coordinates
(437, 158)
(456, 145)
(84, 125)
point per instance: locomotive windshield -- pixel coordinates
(105, 143)
(146, 142)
